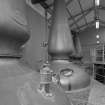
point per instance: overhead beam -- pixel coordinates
(101, 21)
(73, 19)
(37, 1)
(46, 6)
(101, 7)
(50, 11)
(78, 14)
(89, 9)
(82, 11)
(89, 24)
(68, 2)
(43, 4)
(85, 14)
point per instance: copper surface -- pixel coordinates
(60, 44)
(19, 85)
(13, 26)
(60, 47)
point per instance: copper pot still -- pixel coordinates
(19, 85)
(60, 47)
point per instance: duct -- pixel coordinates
(19, 85)
(60, 47)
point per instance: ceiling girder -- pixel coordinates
(78, 14)
(89, 24)
(103, 22)
(37, 1)
(73, 19)
(89, 9)
(102, 7)
(85, 14)
(45, 6)
(82, 11)
(68, 2)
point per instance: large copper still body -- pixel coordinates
(60, 47)
(20, 85)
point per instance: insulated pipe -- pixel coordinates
(77, 46)
(77, 55)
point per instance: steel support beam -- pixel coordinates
(101, 21)
(37, 1)
(68, 2)
(73, 19)
(82, 11)
(89, 24)
(102, 7)
(46, 6)
(86, 13)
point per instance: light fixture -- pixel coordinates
(98, 42)
(97, 2)
(97, 36)
(97, 24)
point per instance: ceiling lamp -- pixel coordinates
(97, 24)
(97, 36)
(98, 42)
(97, 2)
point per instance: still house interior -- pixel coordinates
(52, 52)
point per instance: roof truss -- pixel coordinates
(83, 14)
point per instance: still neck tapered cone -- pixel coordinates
(60, 44)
